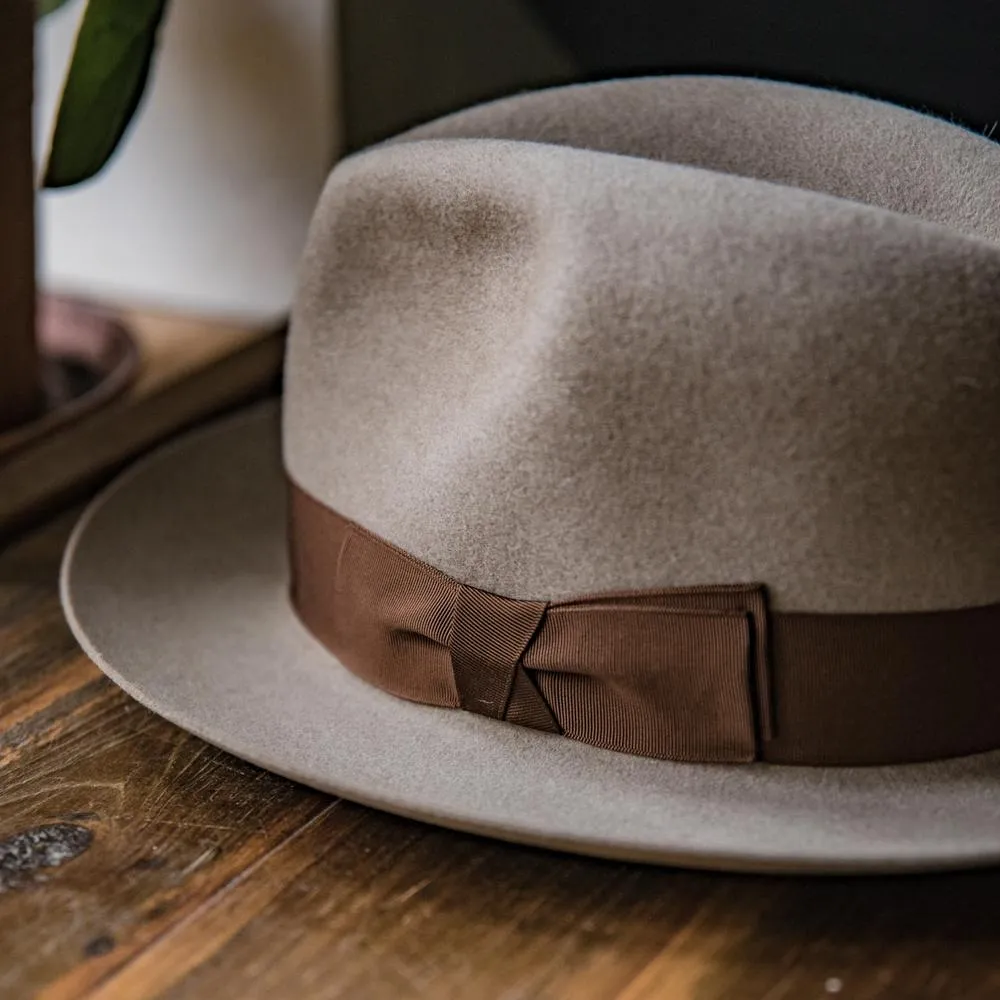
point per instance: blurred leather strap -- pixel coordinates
(699, 674)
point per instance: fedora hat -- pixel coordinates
(635, 489)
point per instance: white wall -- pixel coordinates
(205, 207)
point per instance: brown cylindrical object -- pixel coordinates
(20, 392)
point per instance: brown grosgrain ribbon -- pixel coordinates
(690, 674)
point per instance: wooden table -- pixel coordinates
(137, 861)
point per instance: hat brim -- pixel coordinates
(175, 584)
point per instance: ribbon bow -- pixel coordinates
(679, 674)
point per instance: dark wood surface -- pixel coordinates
(137, 861)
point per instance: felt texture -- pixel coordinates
(175, 582)
(664, 333)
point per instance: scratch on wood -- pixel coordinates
(185, 824)
(41, 795)
(40, 847)
(408, 894)
(203, 859)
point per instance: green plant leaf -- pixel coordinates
(104, 84)
(45, 7)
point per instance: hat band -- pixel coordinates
(701, 674)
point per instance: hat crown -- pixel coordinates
(664, 333)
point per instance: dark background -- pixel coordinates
(941, 56)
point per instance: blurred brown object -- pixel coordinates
(192, 368)
(85, 358)
(20, 384)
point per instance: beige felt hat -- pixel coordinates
(637, 492)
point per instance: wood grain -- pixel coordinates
(198, 876)
(172, 820)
